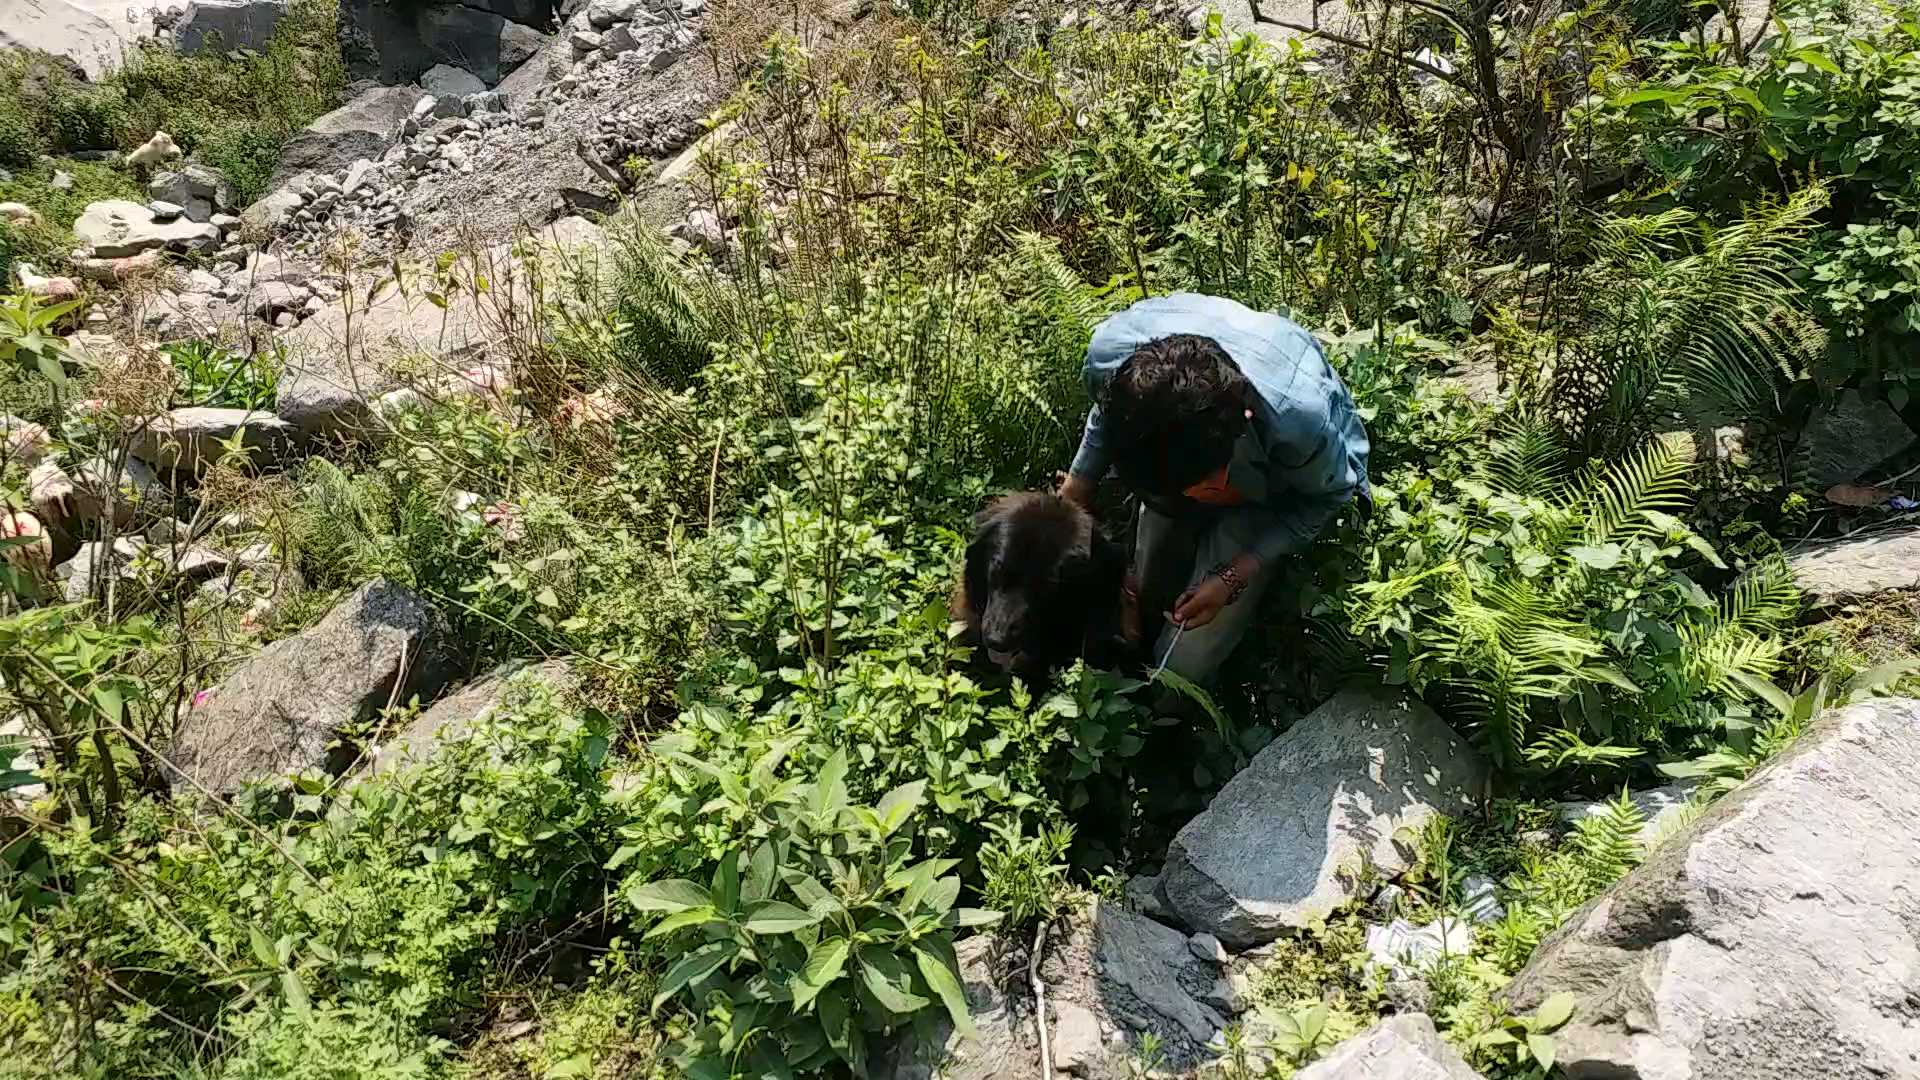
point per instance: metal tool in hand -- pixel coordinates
(1178, 629)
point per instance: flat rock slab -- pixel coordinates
(1144, 963)
(1776, 938)
(1837, 572)
(284, 710)
(192, 439)
(115, 228)
(1406, 1047)
(1268, 854)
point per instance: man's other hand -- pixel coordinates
(1078, 490)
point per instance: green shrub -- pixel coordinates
(826, 932)
(89, 117)
(19, 143)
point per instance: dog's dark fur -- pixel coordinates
(1042, 587)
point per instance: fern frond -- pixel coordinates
(1608, 843)
(1616, 502)
(1527, 460)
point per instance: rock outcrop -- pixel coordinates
(285, 709)
(1268, 854)
(1853, 438)
(1405, 1047)
(397, 43)
(361, 128)
(453, 716)
(227, 24)
(1836, 572)
(1773, 939)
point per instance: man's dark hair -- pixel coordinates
(1174, 409)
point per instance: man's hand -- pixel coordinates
(1200, 604)
(1078, 490)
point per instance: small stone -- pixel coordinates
(663, 59)
(618, 40)
(1208, 948)
(1228, 994)
(284, 319)
(165, 211)
(1077, 1044)
(584, 41)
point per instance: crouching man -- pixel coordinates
(1241, 443)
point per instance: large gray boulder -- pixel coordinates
(1268, 854)
(94, 36)
(337, 360)
(114, 228)
(454, 716)
(362, 128)
(1776, 938)
(191, 439)
(225, 25)
(397, 43)
(448, 81)
(1836, 572)
(285, 709)
(1852, 439)
(271, 212)
(1406, 1047)
(201, 191)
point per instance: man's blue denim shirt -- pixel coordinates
(1305, 455)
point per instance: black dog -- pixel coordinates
(1043, 586)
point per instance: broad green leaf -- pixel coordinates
(263, 950)
(673, 894)
(690, 917)
(898, 805)
(1554, 1011)
(577, 1065)
(967, 916)
(778, 917)
(886, 979)
(1764, 690)
(110, 700)
(759, 882)
(1602, 557)
(693, 967)
(1879, 678)
(825, 961)
(835, 1020)
(1542, 1047)
(937, 968)
(296, 992)
(1814, 58)
(726, 883)
(941, 896)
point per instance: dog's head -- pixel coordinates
(1042, 584)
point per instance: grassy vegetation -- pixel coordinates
(733, 493)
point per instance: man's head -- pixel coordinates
(1174, 409)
